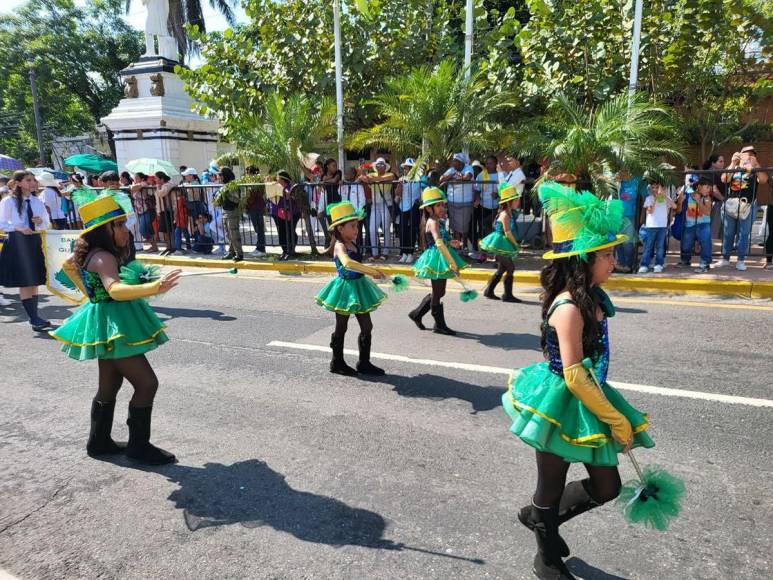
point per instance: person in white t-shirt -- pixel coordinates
(352, 190)
(52, 197)
(657, 204)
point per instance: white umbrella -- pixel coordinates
(150, 166)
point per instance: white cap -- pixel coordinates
(190, 171)
(410, 162)
(380, 161)
(461, 157)
(47, 179)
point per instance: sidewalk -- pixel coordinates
(756, 282)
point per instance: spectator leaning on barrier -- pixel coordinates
(408, 196)
(461, 196)
(190, 176)
(286, 213)
(657, 206)
(381, 184)
(145, 207)
(740, 206)
(256, 210)
(52, 197)
(486, 188)
(630, 189)
(165, 209)
(353, 191)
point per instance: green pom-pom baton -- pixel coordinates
(135, 272)
(216, 272)
(399, 283)
(655, 498)
(468, 293)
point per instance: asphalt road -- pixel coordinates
(287, 471)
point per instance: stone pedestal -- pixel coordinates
(155, 119)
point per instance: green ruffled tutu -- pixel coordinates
(547, 416)
(433, 266)
(497, 244)
(111, 329)
(350, 296)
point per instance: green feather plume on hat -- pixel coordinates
(84, 195)
(595, 219)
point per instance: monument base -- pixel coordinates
(155, 119)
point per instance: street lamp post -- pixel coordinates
(633, 78)
(339, 82)
(36, 112)
(468, 38)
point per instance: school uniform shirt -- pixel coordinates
(488, 191)
(10, 219)
(53, 202)
(353, 192)
(411, 193)
(516, 178)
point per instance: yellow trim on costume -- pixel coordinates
(109, 340)
(148, 340)
(580, 440)
(550, 255)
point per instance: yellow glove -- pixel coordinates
(121, 291)
(73, 273)
(441, 246)
(583, 387)
(356, 266)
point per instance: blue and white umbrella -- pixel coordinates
(10, 163)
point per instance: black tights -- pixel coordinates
(342, 323)
(603, 486)
(505, 266)
(136, 370)
(438, 291)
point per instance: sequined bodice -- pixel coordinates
(601, 360)
(443, 234)
(343, 272)
(94, 288)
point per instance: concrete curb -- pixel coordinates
(737, 288)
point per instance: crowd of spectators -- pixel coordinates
(186, 214)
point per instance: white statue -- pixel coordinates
(156, 29)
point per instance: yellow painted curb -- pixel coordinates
(742, 288)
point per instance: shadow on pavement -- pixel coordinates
(440, 388)
(215, 315)
(506, 340)
(252, 494)
(630, 310)
(588, 572)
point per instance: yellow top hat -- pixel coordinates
(431, 196)
(342, 212)
(102, 210)
(507, 193)
(581, 222)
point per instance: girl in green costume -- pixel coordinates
(350, 292)
(502, 243)
(116, 326)
(555, 405)
(438, 262)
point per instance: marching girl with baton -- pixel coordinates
(502, 243)
(116, 326)
(556, 406)
(439, 262)
(350, 292)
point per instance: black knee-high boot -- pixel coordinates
(364, 366)
(548, 564)
(140, 448)
(508, 284)
(492, 284)
(100, 442)
(418, 313)
(440, 320)
(337, 363)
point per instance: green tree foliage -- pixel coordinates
(437, 111)
(633, 134)
(77, 53)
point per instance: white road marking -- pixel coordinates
(663, 391)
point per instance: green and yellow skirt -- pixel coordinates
(498, 245)
(350, 295)
(547, 416)
(431, 265)
(111, 329)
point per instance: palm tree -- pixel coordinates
(437, 111)
(282, 135)
(183, 12)
(634, 134)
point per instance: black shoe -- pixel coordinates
(364, 366)
(492, 283)
(228, 256)
(418, 313)
(171, 252)
(338, 364)
(440, 321)
(40, 325)
(139, 448)
(239, 258)
(282, 258)
(100, 442)
(548, 564)
(508, 295)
